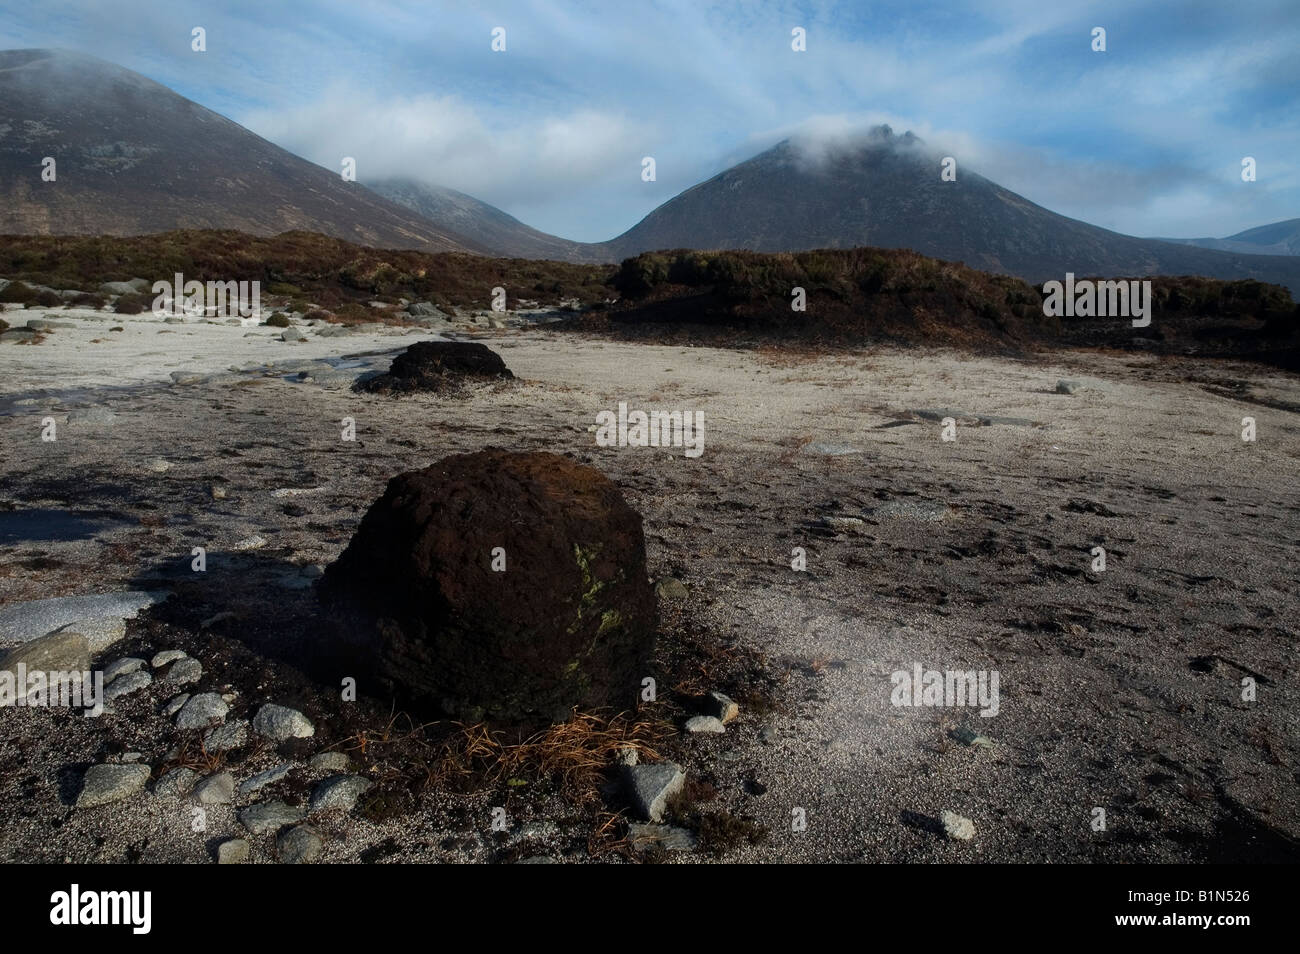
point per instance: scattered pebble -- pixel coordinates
(299, 846)
(167, 656)
(340, 791)
(969, 737)
(278, 723)
(671, 589)
(105, 784)
(330, 762)
(957, 827)
(233, 851)
(173, 705)
(216, 789)
(651, 786)
(699, 723)
(124, 685)
(267, 817)
(226, 737)
(201, 710)
(183, 672)
(179, 782)
(724, 708)
(667, 837)
(263, 779)
(122, 667)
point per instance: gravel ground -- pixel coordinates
(1118, 690)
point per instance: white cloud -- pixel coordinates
(443, 140)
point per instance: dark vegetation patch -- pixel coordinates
(890, 296)
(853, 297)
(437, 366)
(303, 266)
(1202, 317)
(131, 304)
(730, 298)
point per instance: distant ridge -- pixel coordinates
(882, 190)
(1279, 238)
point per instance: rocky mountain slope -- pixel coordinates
(132, 157)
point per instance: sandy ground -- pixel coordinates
(1119, 690)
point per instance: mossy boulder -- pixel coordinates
(500, 586)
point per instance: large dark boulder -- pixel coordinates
(438, 366)
(569, 622)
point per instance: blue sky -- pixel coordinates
(1146, 138)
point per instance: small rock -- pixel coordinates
(724, 708)
(270, 816)
(157, 465)
(278, 723)
(968, 737)
(299, 846)
(671, 589)
(293, 334)
(216, 789)
(173, 705)
(122, 667)
(330, 762)
(218, 493)
(179, 782)
(132, 756)
(1067, 387)
(652, 785)
(226, 737)
(201, 710)
(233, 851)
(124, 685)
(957, 827)
(340, 791)
(111, 783)
(701, 723)
(667, 837)
(254, 542)
(263, 779)
(626, 755)
(167, 656)
(183, 672)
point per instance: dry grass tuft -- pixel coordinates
(573, 755)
